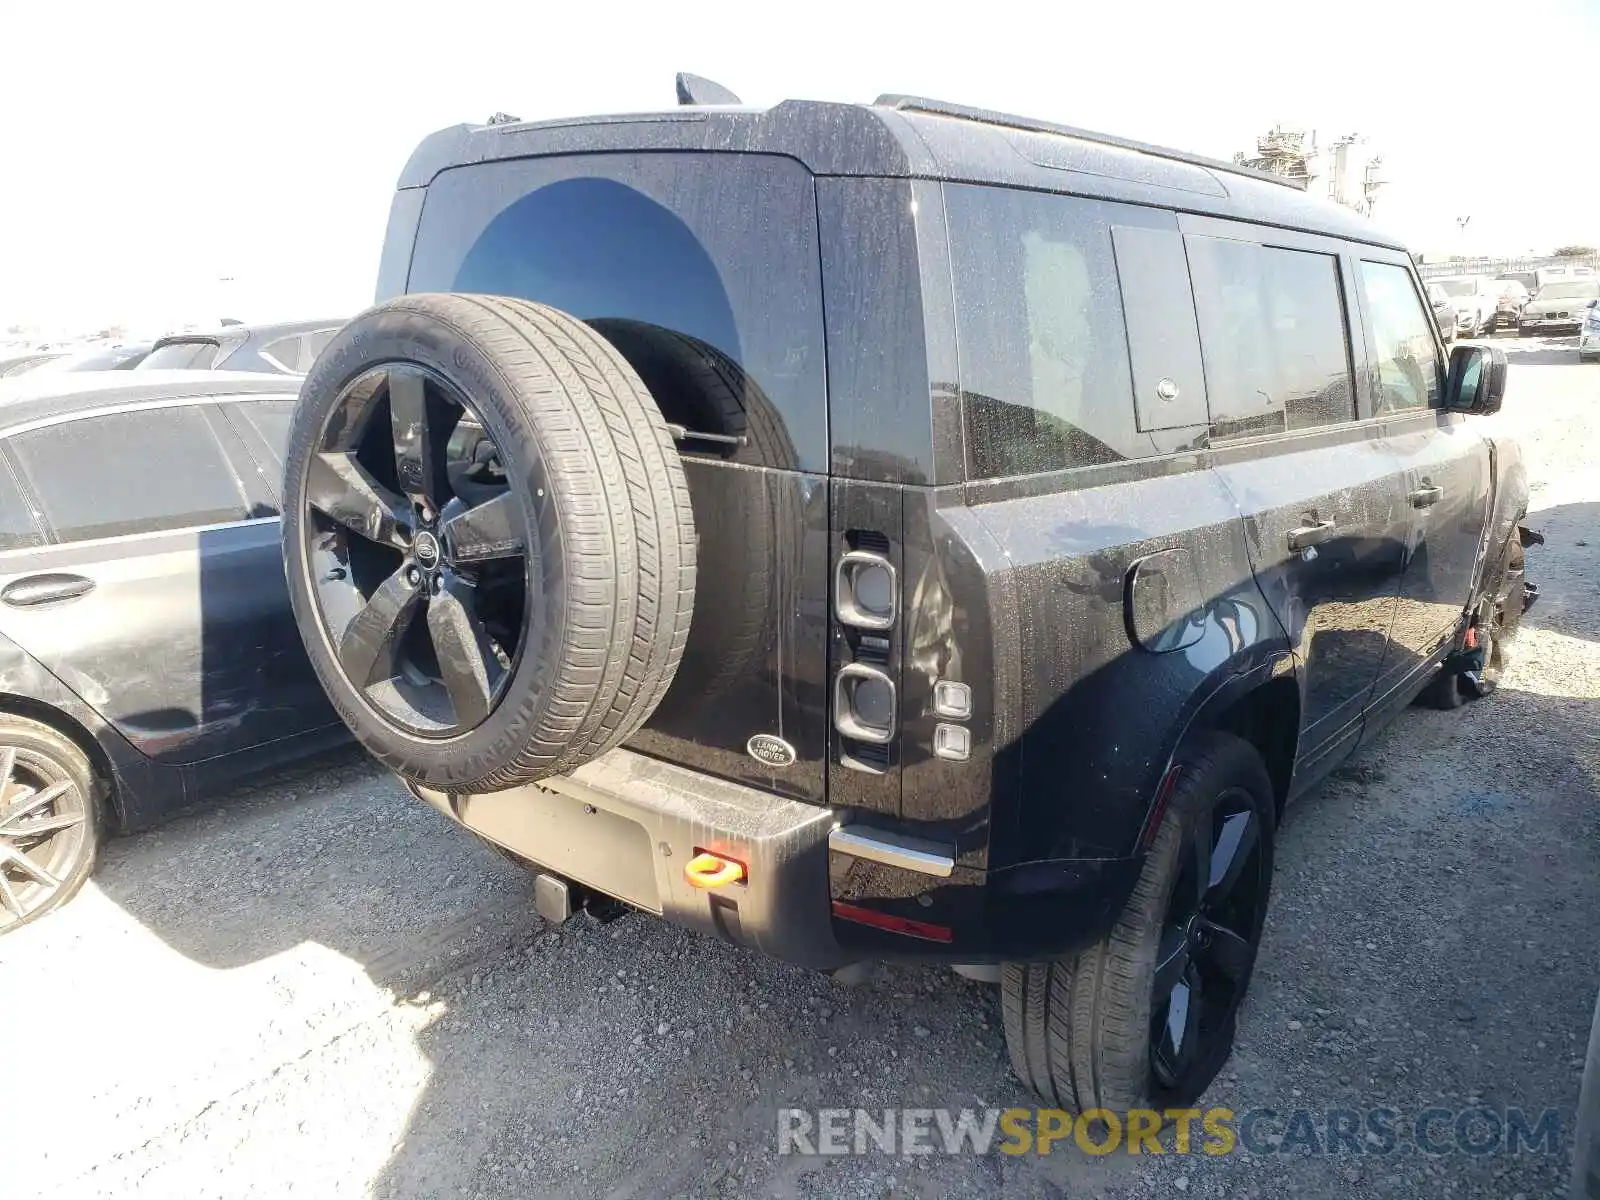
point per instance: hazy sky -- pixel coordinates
(148, 150)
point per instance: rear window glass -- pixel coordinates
(1578, 290)
(1272, 332)
(1045, 378)
(181, 356)
(94, 479)
(703, 270)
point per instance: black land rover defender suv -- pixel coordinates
(898, 531)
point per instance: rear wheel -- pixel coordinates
(1150, 1011)
(49, 820)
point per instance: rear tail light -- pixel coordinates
(881, 920)
(864, 703)
(864, 590)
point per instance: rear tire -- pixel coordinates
(1443, 691)
(1080, 1029)
(49, 820)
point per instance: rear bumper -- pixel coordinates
(625, 825)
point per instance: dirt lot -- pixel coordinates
(319, 988)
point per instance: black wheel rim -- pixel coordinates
(418, 551)
(43, 831)
(1208, 945)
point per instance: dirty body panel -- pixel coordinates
(714, 297)
(1109, 515)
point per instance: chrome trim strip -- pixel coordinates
(893, 849)
(193, 400)
(147, 535)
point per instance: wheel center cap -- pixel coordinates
(427, 551)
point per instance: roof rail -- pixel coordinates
(943, 108)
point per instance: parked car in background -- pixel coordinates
(1476, 301)
(147, 650)
(1513, 297)
(287, 348)
(1527, 279)
(1566, 271)
(1589, 333)
(124, 357)
(1444, 312)
(667, 541)
(1559, 306)
(21, 364)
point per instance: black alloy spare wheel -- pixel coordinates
(422, 554)
(487, 538)
(49, 826)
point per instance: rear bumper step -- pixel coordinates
(811, 890)
(893, 850)
(626, 825)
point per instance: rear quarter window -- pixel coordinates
(703, 269)
(1045, 377)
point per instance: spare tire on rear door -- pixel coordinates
(487, 537)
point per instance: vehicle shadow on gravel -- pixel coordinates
(331, 851)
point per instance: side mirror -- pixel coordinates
(1477, 381)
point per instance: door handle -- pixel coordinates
(1428, 494)
(45, 589)
(1310, 535)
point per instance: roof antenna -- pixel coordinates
(696, 89)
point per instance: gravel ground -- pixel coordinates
(318, 987)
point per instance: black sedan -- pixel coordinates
(147, 650)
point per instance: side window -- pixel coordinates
(703, 270)
(1272, 330)
(270, 419)
(287, 353)
(1045, 377)
(1402, 333)
(313, 344)
(263, 427)
(19, 528)
(129, 472)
